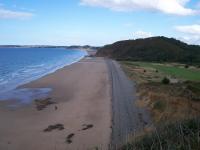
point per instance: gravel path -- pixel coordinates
(127, 117)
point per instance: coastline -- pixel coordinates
(20, 82)
(81, 92)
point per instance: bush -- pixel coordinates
(159, 105)
(165, 80)
(194, 87)
(186, 66)
(182, 135)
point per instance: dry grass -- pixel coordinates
(173, 108)
(165, 102)
(182, 135)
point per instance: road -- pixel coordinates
(128, 119)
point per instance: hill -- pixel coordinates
(158, 49)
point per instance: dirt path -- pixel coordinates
(127, 117)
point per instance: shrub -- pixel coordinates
(194, 87)
(159, 105)
(186, 66)
(165, 80)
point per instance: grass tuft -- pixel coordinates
(183, 135)
(159, 105)
(165, 80)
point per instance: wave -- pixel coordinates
(32, 72)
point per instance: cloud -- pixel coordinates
(10, 14)
(191, 33)
(191, 39)
(142, 34)
(189, 29)
(176, 7)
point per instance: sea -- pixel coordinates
(22, 65)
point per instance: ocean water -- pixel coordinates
(22, 65)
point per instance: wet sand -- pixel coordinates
(77, 114)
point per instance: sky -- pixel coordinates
(96, 22)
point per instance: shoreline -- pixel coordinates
(18, 85)
(81, 103)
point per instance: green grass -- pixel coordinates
(175, 71)
(175, 136)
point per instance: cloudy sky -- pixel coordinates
(97, 22)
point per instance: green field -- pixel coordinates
(175, 71)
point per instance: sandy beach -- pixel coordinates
(78, 118)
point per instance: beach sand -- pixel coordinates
(81, 93)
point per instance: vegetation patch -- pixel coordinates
(194, 89)
(169, 104)
(174, 70)
(153, 49)
(69, 138)
(87, 126)
(194, 86)
(159, 105)
(166, 102)
(182, 135)
(54, 127)
(165, 80)
(42, 104)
